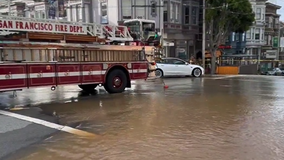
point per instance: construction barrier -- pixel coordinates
(252, 66)
(228, 70)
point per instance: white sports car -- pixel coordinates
(177, 67)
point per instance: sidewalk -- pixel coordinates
(18, 134)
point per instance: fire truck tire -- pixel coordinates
(116, 81)
(88, 87)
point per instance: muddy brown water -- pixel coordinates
(197, 119)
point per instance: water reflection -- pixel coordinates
(194, 119)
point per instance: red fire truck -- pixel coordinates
(38, 52)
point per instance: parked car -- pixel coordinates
(276, 72)
(177, 67)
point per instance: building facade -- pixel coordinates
(179, 20)
(255, 35)
(270, 49)
(182, 27)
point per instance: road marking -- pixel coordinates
(49, 124)
(226, 77)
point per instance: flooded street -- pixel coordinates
(212, 118)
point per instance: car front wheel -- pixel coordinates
(197, 72)
(159, 73)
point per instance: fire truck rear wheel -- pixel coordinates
(116, 81)
(88, 87)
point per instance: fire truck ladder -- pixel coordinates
(13, 24)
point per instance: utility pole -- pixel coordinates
(203, 33)
(161, 17)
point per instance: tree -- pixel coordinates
(224, 17)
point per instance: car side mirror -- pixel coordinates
(186, 63)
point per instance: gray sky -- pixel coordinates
(280, 3)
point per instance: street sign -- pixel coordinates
(275, 43)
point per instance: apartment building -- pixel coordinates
(270, 50)
(179, 20)
(182, 26)
(255, 35)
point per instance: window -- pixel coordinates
(276, 20)
(178, 62)
(134, 26)
(87, 13)
(248, 34)
(153, 8)
(177, 12)
(74, 13)
(255, 51)
(258, 14)
(161, 61)
(165, 11)
(270, 22)
(257, 34)
(243, 37)
(194, 14)
(233, 36)
(104, 13)
(171, 11)
(237, 37)
(186, 15)
(126, 9)
(276, 23)
(269, 40)
(79, 13)
(266, 39)
(227, 39)
(262, 34)
(39, 14)
(248, 51)
(266, 21)
(174, 61)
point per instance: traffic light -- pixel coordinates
(154, 8)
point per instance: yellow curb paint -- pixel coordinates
(49, 124)
(17, 109)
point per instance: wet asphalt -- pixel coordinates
(226, 117)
